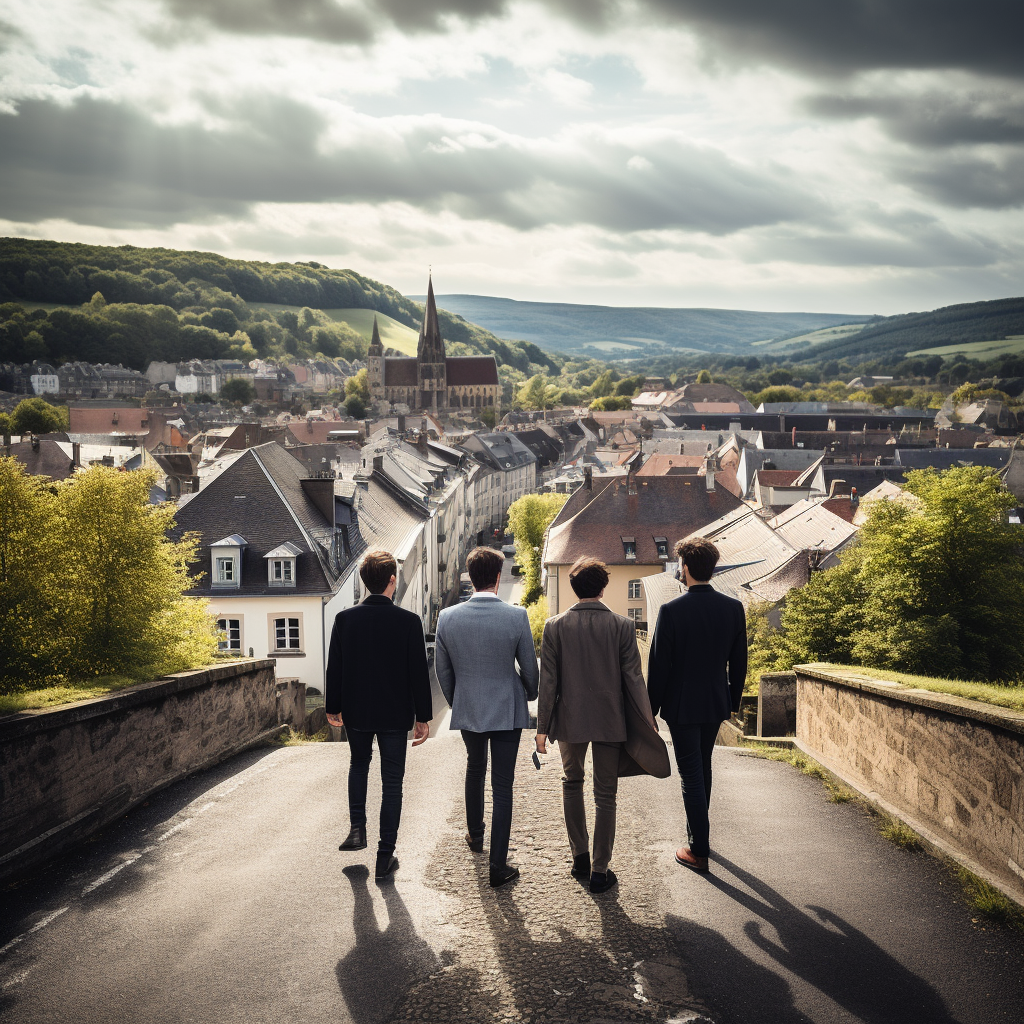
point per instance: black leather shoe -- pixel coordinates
(476, 845)
(581, 867)
(387, 863)
(356, 839)
(602, 882)
(500, 876)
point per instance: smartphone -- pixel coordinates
(536, 760)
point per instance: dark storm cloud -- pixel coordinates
(104, 163)
(933, 120)
(838, 36)
(971, 181)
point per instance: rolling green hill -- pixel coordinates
(66, 301)
(1013, 345)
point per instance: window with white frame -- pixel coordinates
(229, 634)
(636, 614)
(287, 633)
(635, 590)
(282, 572)
(226, 570)
(629, 548)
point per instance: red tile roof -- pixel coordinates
(401, 372)
(109, 420)
(778, 477)
(594, 523)
(660, 464)
(466, 371)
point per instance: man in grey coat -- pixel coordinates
(589, 669)
(478, 646)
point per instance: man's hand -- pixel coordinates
(420, 732)
(542, 743)
(335, 720)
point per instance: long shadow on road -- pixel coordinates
(818, 946)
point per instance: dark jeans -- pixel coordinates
(392, 747)
(504, 748)
(693, 745)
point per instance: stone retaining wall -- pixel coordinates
(953, 769)
(67, 771)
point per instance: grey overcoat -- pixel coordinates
(592, 687)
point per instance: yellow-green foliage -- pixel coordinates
(528, 519)
(90, 585)
(538, 613)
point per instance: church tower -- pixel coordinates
(430, 358)
(375, 364)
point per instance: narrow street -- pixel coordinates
(226, 899)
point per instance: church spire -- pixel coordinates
(431, 345)
(376, 348)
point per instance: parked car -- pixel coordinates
(517, 569)
(508, 550)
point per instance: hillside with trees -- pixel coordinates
(62, 302)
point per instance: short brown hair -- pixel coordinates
(484, 567)
(376, 570)
(700, 556)
(588, 577)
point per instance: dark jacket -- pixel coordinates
(698, 661)
(377, 677)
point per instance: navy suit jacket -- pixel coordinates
(377, 676)
(698, 661)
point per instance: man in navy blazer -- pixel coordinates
(695, 678)
(478, 646)
(378, 685)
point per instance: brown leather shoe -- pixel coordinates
(686, 857)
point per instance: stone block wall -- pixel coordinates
(953, 769)
(67, 771)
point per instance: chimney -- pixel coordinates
(401, 422)
(321, 493)
(854, 496)
(421, 442)
(794, 437)
(76, 454)
(588, 477)
(710, 468)
(35, 443)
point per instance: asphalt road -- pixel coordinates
(226, 899)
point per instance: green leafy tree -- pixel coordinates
(538, 393)
(610, 404)
(355, 406)
(37, 416)
(5, 424)
(122, 581)
(704, 377)
(358, 386)
(238, 389)
(528, 519)
(934, 585)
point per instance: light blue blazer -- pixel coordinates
(478, 646)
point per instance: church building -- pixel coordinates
(430, 380)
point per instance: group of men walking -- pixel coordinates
(590, 690)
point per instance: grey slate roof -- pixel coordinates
(260, 496)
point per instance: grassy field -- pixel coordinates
(392, 333)
(810, 339)
(1014, 345)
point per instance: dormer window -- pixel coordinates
(629, 547)
(661, 545)
(281, 564)
(227, 561)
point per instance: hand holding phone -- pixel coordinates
(536, 760)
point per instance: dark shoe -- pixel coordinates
(499, 876)
(602, 882)
(356, 839)
(689, 859)
(581, 867)
(387, 863)
(476, 845)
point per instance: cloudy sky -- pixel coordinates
(846, 156)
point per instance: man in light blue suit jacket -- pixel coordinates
(478, 646)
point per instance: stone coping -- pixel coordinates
(25, 723)
(962, 707)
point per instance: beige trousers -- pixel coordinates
(606, 785)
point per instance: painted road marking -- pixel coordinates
(103, 879)
(36, 927)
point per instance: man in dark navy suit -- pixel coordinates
(378, 685)
(697, 668)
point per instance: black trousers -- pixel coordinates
(392, 747)
(693, 745)
(504, 748)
